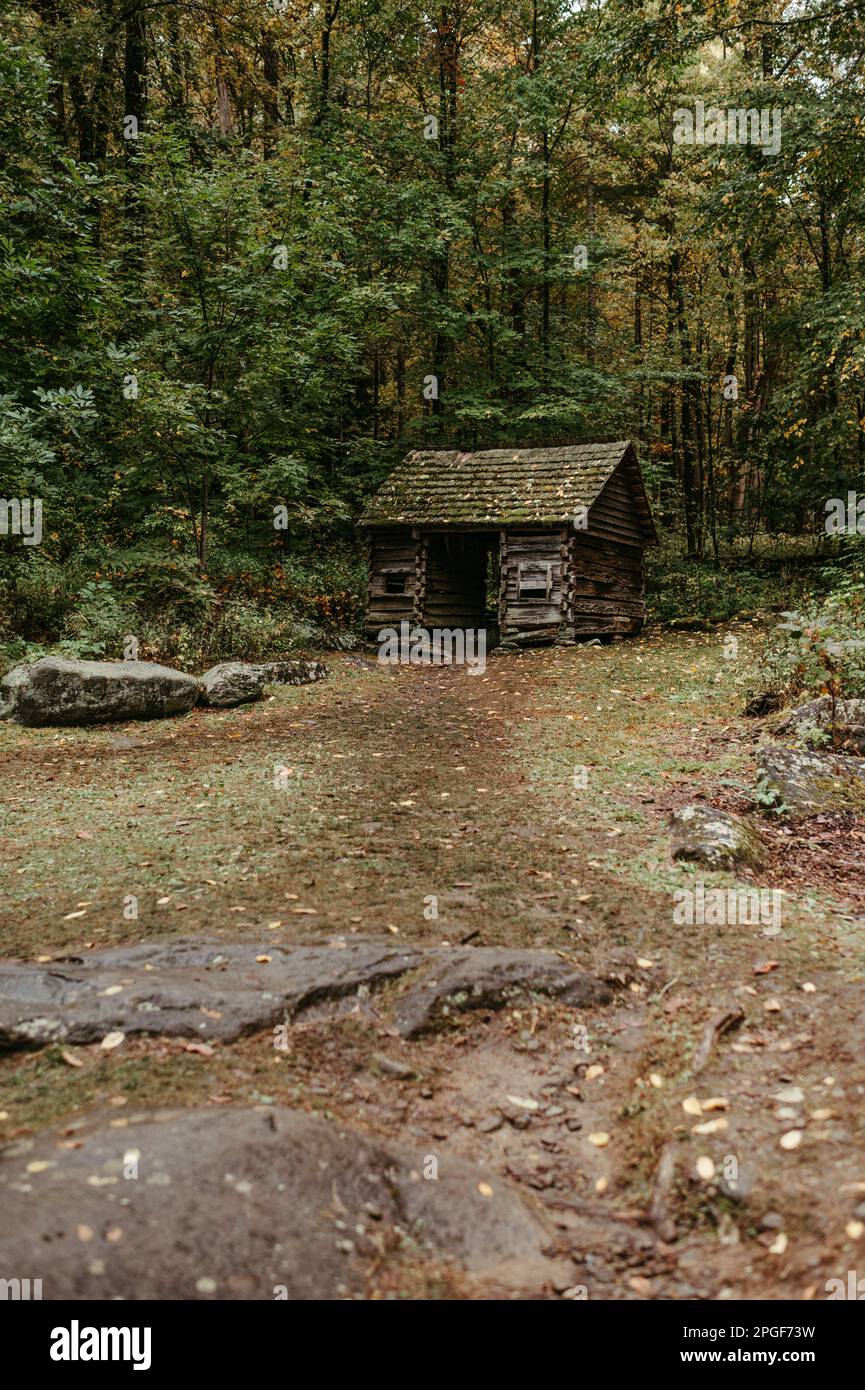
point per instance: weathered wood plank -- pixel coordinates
(630, 607)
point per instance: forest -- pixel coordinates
(253, 256)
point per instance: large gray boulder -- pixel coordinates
(848, 724)
(716, 839)
(56, 691)
(239, 682)
(810, 784)
(230, 683)
(266, 1203)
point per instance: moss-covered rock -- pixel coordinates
(808, 783)
(847, 722)
(717, 839)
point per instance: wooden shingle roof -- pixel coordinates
(494, 486)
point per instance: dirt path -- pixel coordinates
(525, 806)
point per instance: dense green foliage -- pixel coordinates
(327, 206)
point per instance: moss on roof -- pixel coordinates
(493, 486)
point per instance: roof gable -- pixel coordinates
(499, 486)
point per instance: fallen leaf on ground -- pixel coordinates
(523, 1103)
(711, 1126)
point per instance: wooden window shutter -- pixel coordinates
(535, 580)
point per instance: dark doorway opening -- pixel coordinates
(462, 581)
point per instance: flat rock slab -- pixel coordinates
(810, 784)
(716, 839)
(218, 991)
(54, 691)
(183, 988)
(249, 1204)
(292, 672)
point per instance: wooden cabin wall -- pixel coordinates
(606, 565)
(391, 551)
(531, 615)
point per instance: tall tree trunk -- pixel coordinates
(270, 57)
(448, 60)
(331, 14)
(177, 89)
(687, 475)
(134, 104)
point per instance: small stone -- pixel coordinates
(389, 1066)
(789, 1095)
(490, 1124)
(772, 1221)
(518, 1119)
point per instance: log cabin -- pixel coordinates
(544, 545)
